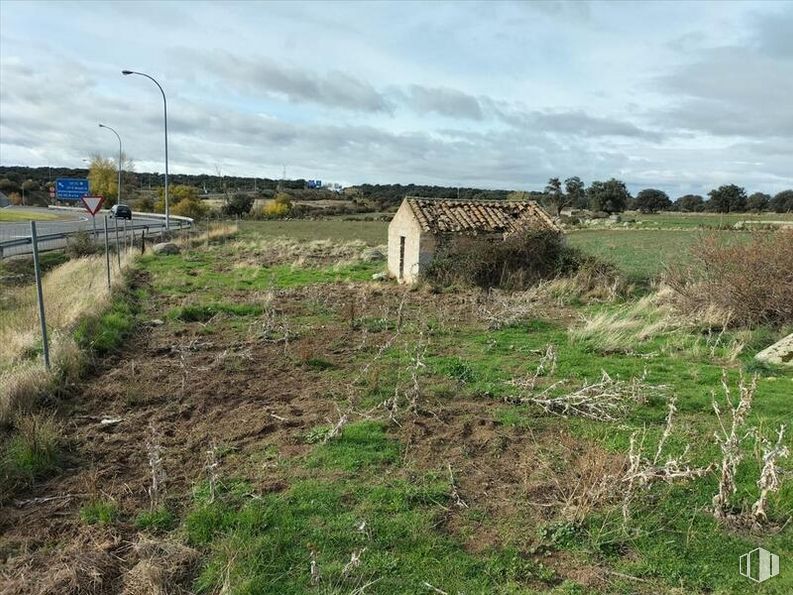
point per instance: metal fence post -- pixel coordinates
(107, 254)
(37, 267)
(143, 241)
(118, 249)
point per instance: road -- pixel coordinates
(68, 221)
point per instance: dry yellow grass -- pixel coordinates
(72, 290)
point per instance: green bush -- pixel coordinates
(239, 204)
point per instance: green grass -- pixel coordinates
(99, 512)
(14, 216)
(156, 521)
(105, 332)
(34, 450)
(185, 275)
(371, 232)
(641, 254)
(361, 445)
(202, 313)
(694, 220)
(264, 544)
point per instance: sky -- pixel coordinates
(672, 95)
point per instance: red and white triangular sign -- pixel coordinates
(93, 203)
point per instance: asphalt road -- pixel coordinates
(68, 221)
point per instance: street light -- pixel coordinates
(165, 113)
(118, 193)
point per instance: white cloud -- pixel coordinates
(481, 94)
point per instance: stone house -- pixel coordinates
(421, 223)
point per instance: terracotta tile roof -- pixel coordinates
(441, 216)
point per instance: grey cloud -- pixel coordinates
(266, 77)
(443, 101)
(774, 34)
(573, 123)
(731, 91)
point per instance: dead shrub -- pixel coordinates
(752, 280)
(514, 263)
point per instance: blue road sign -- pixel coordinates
(71, 188)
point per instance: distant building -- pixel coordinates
(4, 200)
(420, 224)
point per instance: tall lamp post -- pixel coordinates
(118, 192)
(165, 113)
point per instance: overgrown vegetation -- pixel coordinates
(751, 280)
(307, 430)
(517, 262)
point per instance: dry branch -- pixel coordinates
(605, 400)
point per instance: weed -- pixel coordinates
(105, 332)
(317, 363)
(99, 512)
(158, 520)
(461, 371)
(558, 535)
(33, 450)
(203, 313)
(317, 434)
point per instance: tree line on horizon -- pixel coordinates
(611, 196)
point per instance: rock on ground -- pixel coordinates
(373, 254)
(780, 353)
(166, 248)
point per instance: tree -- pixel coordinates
(554, 198)
(782, 202)
(184, 201)
(758, 202)
(7, 186)
(239, 204)
(651, 200)
(611, 196)
(103, 178)
(727, 199)
(576, 192)
(690, 203)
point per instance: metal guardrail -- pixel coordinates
(180, 223)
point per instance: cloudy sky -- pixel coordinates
(681, 96)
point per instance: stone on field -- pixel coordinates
(373, 254)
(780, 353)
(166, 248)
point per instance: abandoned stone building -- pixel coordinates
(420, 224)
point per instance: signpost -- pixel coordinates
(92, 204)
(71, 189)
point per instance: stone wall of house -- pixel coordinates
(404, 224)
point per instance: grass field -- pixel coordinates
(693, 220)
(281, 423)
(15, 216)
(642, 254)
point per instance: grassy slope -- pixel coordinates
(673, 541)
(16, 216)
